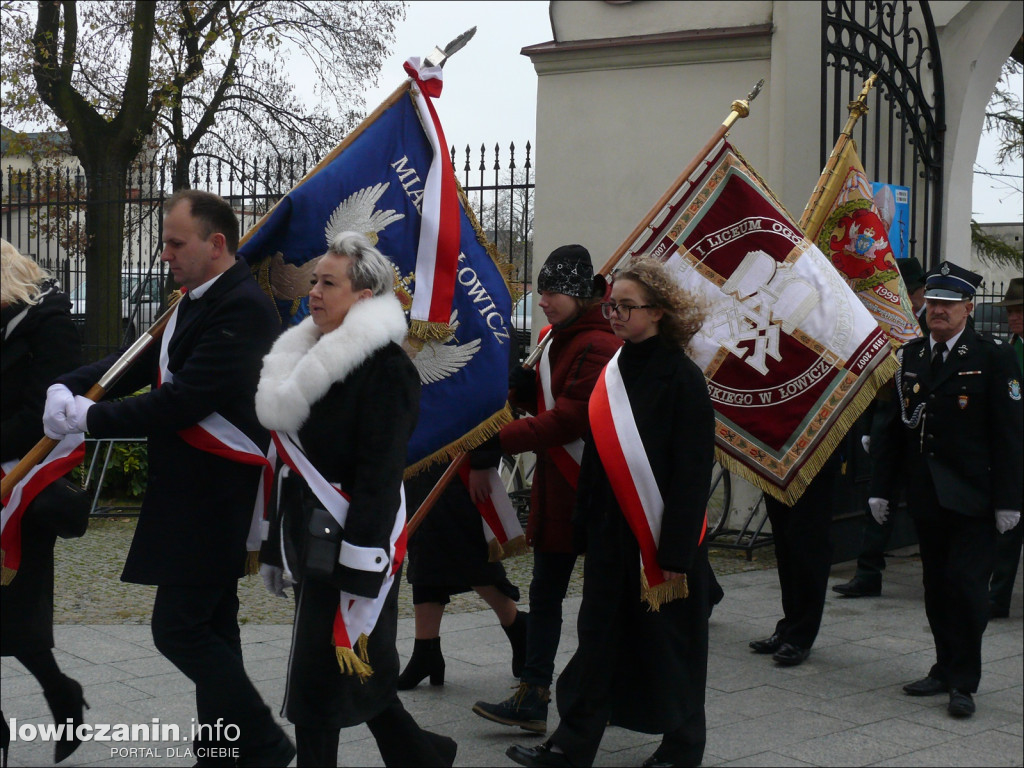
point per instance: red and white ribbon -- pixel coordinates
(627, 466)
(566, 457)
(216, 435)
(65, 456)
(501, 525)
(355, 616)
(437, 256)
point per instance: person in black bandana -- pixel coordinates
(642, 658)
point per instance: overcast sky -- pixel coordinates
(490, 92)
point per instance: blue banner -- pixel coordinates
(375, 186)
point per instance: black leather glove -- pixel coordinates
(524, 382)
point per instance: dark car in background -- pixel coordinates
(991, 320)
(140, 303)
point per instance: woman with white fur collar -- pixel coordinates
(342, 398)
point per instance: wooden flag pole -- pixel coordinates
(740, 108)
(810, 218)
(42, 449)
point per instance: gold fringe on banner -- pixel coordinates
(428, 331)
(252, 563)
(351, 664)
(878, 378)
(466, 443)
(666, 592)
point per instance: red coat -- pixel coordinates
(578, 354)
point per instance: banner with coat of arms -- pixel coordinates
(791, 356)
(377, 183)
(847, 227)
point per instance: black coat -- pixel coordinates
(353, 401)
(659, 667)
(971, 450)
(198, 507)
(37, 348)
(448, 550)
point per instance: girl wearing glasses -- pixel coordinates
(641, 663)
(556, 396)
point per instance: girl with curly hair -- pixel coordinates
(641, 663)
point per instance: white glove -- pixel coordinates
(59, 401)
(879, 509)
(274, 580)
(866, 442)
(1006, 519)
(76, 415)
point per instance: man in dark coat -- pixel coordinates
(957, 434)
(867, 581)
(1010, 544)
(190, 540)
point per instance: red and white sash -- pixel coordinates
(65, 456)
(216, 435)
(566, 457)
(502, 531)
(629, 472)
(437, 255)
(356, 616)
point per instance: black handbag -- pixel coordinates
(323, 545)
(63, 507)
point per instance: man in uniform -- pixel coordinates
(867, 581)
(199, 417)
(956, 433)
(1008, 547)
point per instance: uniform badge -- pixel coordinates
(945, 269)
(917, 388)
(1014, 389)
(961, 350)
(962, 401)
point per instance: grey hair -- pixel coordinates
(369, 267)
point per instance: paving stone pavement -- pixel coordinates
(844, 706)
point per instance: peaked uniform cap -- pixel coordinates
(951, 282)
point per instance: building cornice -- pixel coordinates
(697, 46)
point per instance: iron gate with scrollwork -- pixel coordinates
(900, 141)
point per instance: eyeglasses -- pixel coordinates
(623, 311)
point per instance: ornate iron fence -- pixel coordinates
(900, 141)
(42, 213)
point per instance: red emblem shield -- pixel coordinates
(962, 401)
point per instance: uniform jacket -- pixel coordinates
(578, 353)
(40, 342)
(967, 446)
(661, 656)
(198, 507)
(352, 397)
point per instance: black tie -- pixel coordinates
(937, 352)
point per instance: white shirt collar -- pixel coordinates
(949, 343)
(197, 293)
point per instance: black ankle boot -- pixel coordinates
(426, 660)
(66, 702)
(5, 739)
(516, 632)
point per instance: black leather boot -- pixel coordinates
(516, 632)
(66, 702)
(426, 660)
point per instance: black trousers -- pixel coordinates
(1008, 549)
(957, 553)
(804, 556)
(196, 629)
(551, 574)
(400, 740)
